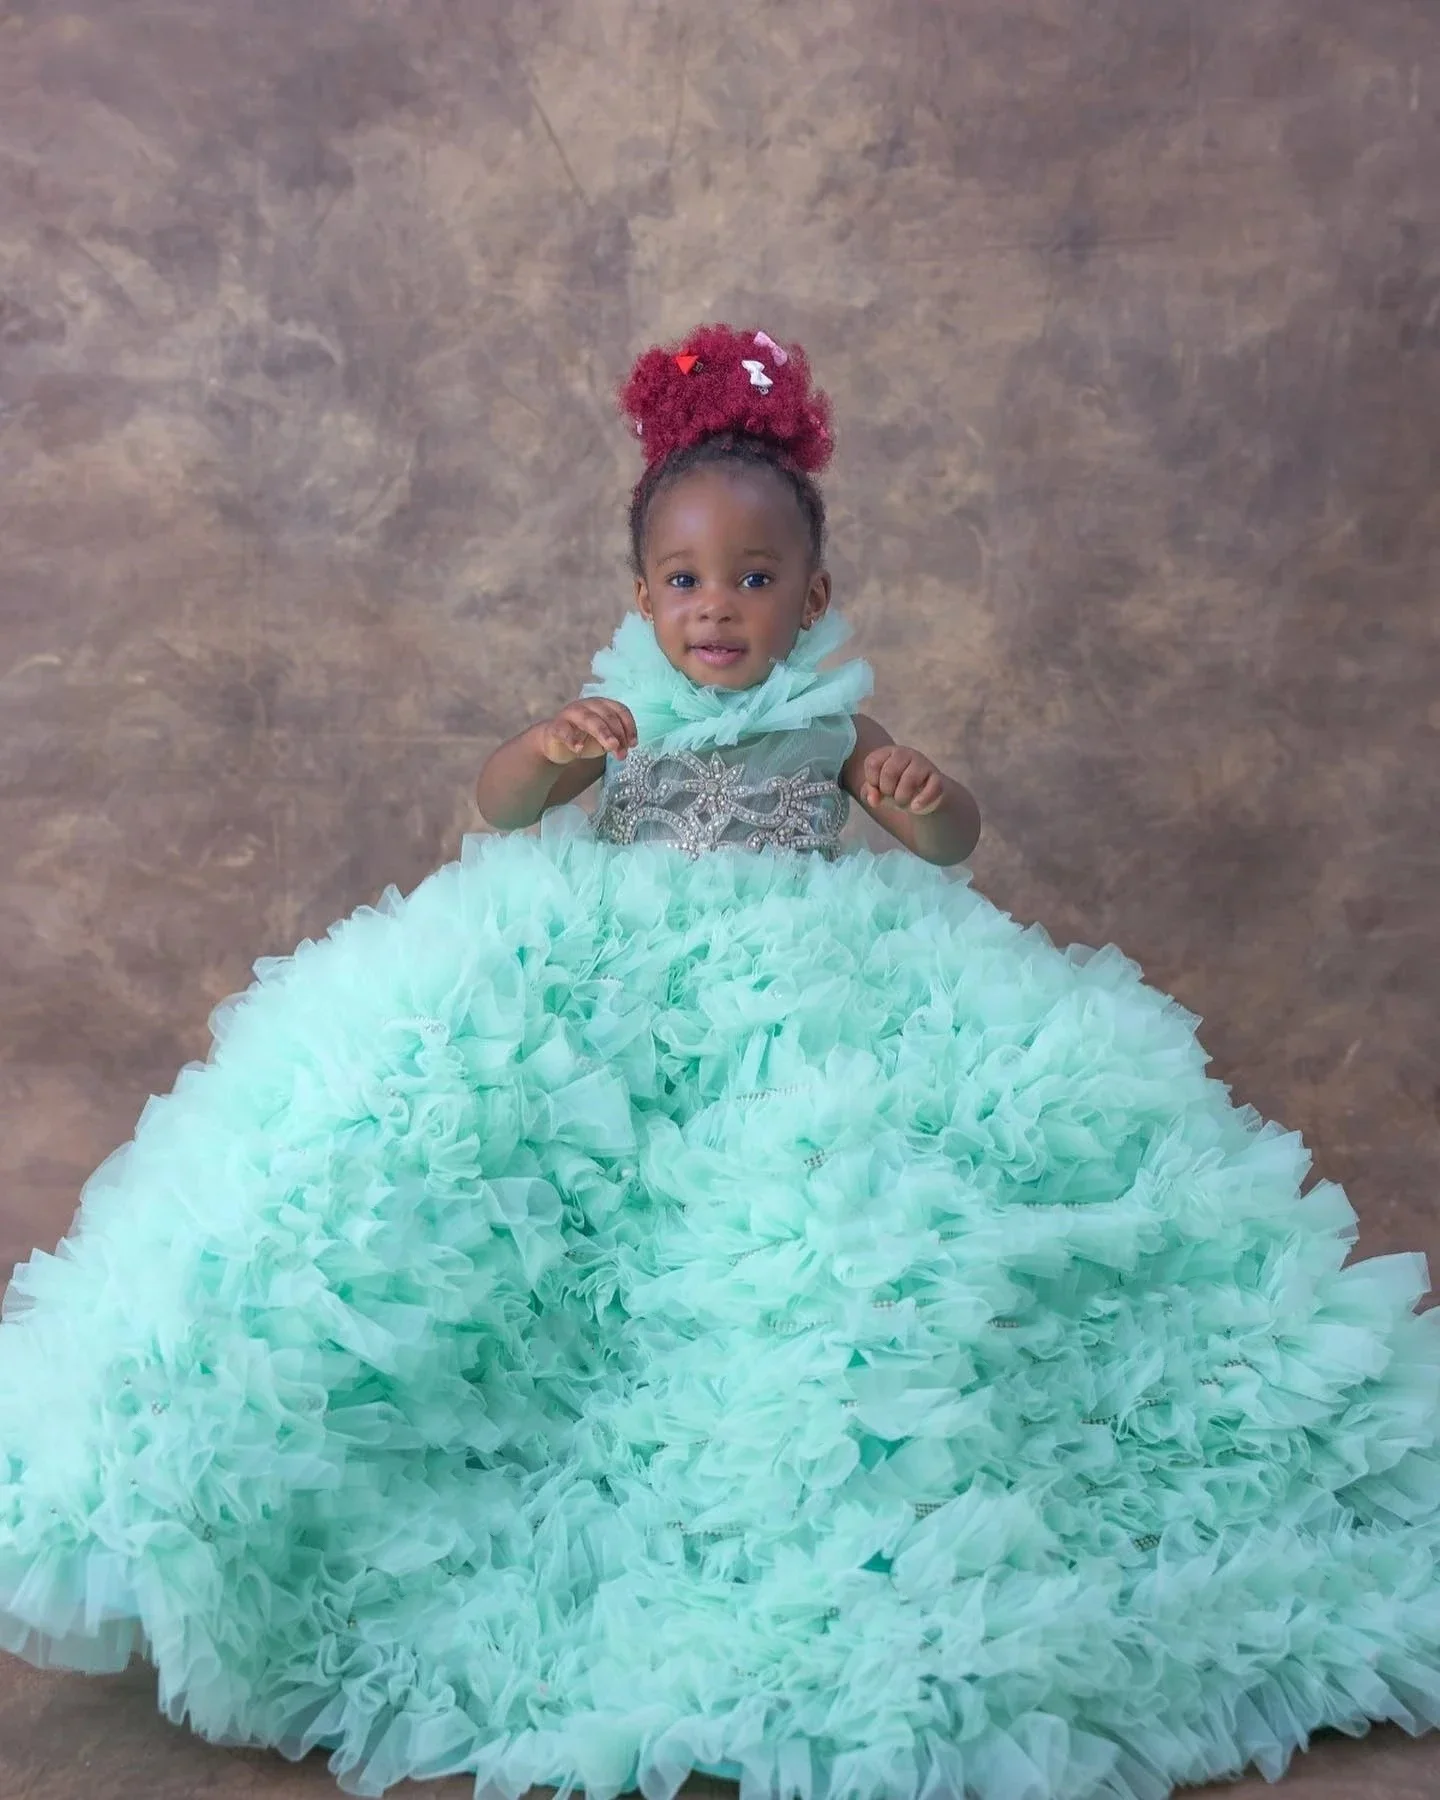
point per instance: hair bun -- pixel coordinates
(678, 395)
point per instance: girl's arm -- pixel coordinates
(925, 810)
(552, 762)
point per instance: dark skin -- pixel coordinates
(729, 583)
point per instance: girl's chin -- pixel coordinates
(738, 677)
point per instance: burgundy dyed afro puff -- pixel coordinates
(733, 382)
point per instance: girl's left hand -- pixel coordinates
(894, 775)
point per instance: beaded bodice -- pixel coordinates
(779, 791)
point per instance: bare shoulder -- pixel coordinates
(870, 734)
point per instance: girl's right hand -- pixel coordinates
(587, 728)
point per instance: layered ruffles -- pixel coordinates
(605, 1316)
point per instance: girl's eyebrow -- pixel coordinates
(686, 555)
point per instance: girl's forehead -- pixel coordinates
(722, 498)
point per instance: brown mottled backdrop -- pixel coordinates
(310, 315)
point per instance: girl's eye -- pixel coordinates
(754, 578)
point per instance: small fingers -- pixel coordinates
(594, 720)
(603, 729)
(912, 778)
(626, 720)
(903, 778)
(931, 792)
(920, 787)
(883, 769)
(622, 723)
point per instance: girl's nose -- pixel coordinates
(716, 603)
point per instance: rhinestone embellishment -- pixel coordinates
(696, 803)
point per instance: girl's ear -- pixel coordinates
(642, 599)
(817, 599)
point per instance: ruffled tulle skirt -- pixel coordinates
(605, 1316)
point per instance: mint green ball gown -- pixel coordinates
(667, 1295)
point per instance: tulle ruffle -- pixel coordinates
(673, 713)
(606, 1316)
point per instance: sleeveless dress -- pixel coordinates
(666, 1296)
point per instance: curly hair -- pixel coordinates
(727, 397)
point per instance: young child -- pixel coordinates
(727, 538)
(668, 1296)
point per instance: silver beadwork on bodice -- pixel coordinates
(765, 794)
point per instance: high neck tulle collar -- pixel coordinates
(676, 713)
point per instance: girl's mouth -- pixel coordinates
(718, 656)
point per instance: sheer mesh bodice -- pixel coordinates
(777, 791)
